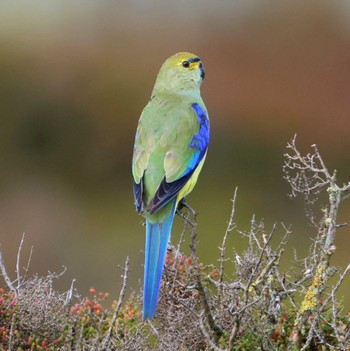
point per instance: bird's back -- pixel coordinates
(166, 129)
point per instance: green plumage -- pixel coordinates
(165, 130)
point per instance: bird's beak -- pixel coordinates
(201, 67)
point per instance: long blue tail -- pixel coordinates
(157, 238)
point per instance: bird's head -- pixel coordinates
(180, 74)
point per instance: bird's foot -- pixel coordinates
(183, 204)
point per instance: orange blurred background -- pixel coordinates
(74, 78)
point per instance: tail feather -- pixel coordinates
(157, 238)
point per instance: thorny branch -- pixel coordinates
(252, 303)
(308, 175)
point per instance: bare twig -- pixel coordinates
(18, 262)
(119, 304)
(207, 312)
(230, 227)
(208, 339)
(159, 336)
(69, 295)
(255, 269)
(5, 275)
(10, 342)
(334, 289)
(26, 268)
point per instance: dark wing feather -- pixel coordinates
(166, 192)
(138, 191)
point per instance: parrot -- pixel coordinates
(170, 147)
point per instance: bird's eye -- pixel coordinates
(186, 64)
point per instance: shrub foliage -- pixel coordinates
(202, 307)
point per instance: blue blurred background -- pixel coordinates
(74, 78)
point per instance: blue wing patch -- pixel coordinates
(199, 142)
(166, 192)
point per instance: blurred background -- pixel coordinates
(74, 78)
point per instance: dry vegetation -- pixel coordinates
(258, 307)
